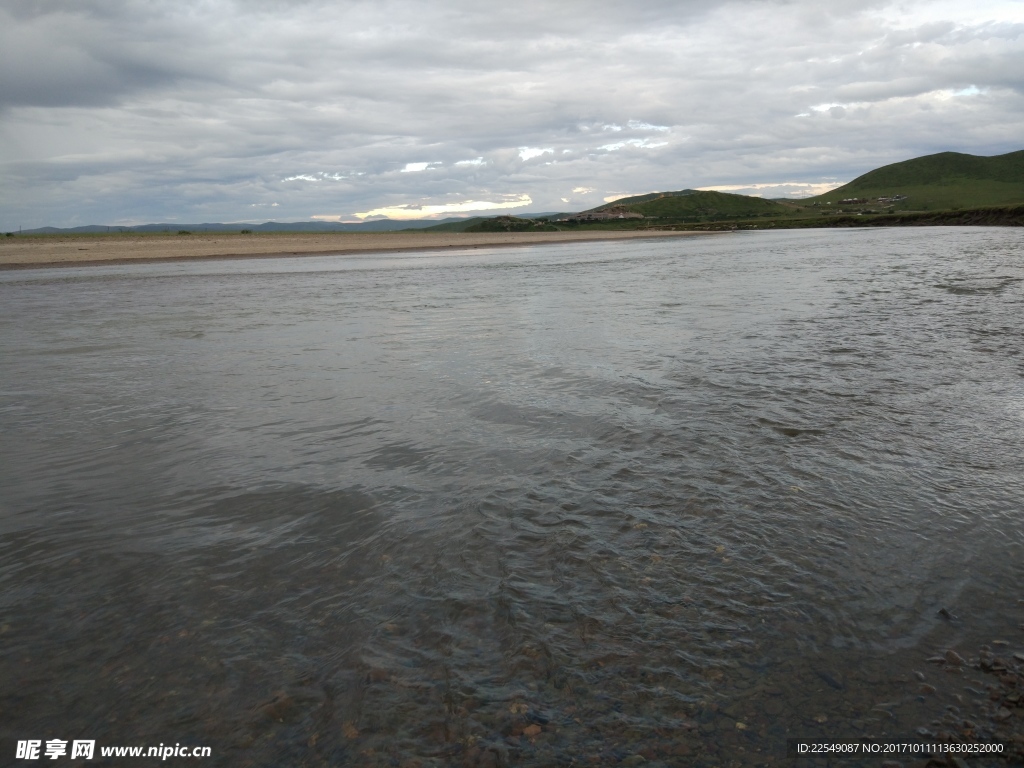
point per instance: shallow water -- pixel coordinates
(676, 499)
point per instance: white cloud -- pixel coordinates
(199, 111)
(332, 217)
(527, 153)
(414, 211)
(417, 167)
(637, 125)
(320, 176)
(778, 189)
(641, 143)
(908, 15)
(970, 90)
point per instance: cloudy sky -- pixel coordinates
(122, 111)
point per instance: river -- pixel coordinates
(666, 502)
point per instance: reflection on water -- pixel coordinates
(659, 502)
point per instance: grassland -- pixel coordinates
(692, 205)
(948, 188)
(995, 216)
(946, 181)
(456, 226)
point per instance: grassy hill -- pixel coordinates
(511, 224)
(456, 226)
(946, 181)
(522, 222)
(694, 205)
(949, 188)
(1001, 216)
(636, 199)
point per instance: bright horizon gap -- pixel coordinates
(413, 211)
(808, 188)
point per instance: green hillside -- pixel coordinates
(949, 188)
(944, 181)
(511, 224)
(646, 198)
(527, 221)
(692, 205)
(455, 226)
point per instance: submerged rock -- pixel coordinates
(952, 657)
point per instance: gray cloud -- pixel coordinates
(135, 111)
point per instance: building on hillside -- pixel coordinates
(608, 214)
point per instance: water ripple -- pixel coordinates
(520, 507)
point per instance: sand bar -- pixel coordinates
(32, 251)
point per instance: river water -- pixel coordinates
(663, 502)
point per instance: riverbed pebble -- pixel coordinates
(952, 657)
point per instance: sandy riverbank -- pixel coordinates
(79, 250)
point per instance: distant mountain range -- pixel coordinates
(377, 225)
(947, 181)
